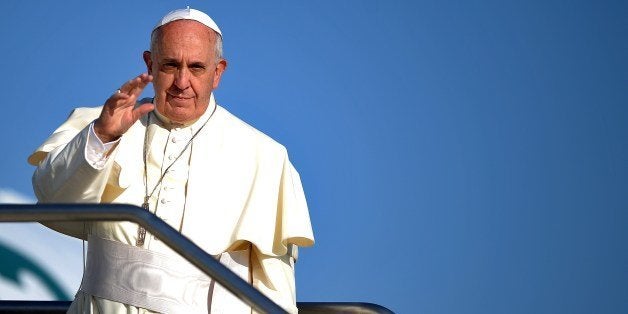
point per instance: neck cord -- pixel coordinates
(141, 232)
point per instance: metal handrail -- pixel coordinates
(61, 307)
(157, 227)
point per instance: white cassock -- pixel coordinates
(233, 192)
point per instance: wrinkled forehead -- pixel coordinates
(184, 37)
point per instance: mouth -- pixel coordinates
(180, 98)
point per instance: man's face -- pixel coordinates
(184, 68)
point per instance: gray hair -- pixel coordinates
(218, 47)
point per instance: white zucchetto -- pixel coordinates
(189, 14)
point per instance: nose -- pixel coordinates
(182, 78)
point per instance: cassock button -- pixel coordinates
(174, 139)
(163, 201)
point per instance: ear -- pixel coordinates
(148, 61)
(221, 66)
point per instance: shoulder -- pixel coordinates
(78, 119)
(85, 113)
(243, 134)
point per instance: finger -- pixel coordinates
(135, 86)
(143, 80)
(119, 95)
(118, 100)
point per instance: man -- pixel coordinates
(226, 186)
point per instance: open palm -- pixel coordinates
(120, 111)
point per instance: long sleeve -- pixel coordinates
(66, 176)
(63, 174)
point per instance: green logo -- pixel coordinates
(14, 262)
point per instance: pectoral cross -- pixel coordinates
(141, 232)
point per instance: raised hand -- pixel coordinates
(120, 112)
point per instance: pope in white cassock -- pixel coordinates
(229, 188)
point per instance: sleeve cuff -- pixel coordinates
(97, 152)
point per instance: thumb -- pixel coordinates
(143, 109)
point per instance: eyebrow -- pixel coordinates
(166, 60)
(174, 60)
(197, 63)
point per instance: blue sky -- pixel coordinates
(457, 156)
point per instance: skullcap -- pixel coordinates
(189, 14)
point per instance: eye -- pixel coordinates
(197, 67)
(169, 66)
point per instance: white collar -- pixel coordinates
(194, 124)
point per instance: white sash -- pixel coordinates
(158, 282)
